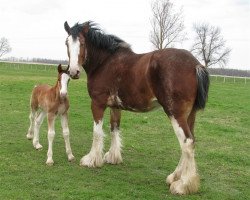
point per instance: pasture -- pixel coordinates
(150, 153)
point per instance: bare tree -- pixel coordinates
(167, 25)
(4, 46)
(209, 45)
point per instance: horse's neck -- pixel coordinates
(94, 59)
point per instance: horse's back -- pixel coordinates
(38, 96)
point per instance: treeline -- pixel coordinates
(229, 72)
(36, 60)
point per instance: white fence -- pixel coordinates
(224, 78)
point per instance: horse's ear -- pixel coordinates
(59, 68)
(66, 27)
(86, 28)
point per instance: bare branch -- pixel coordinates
(167, 25)
(4, 46)
(209, 45)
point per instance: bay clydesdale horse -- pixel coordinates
(120, 79)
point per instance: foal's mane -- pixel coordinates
(98, 37)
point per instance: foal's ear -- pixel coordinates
(66, 27)
(59, 68)
(66, 70)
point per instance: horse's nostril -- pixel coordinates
(77, 72)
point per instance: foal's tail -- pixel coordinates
(202, 76)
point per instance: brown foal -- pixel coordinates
(51, 101)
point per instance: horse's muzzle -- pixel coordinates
(75, 76)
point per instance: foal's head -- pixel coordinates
(63, 80)
(76, 49)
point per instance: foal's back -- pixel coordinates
(48, 99)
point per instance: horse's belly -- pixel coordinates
(133, 104)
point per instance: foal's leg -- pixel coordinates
(51, 135)
(94, 158)
(113, 156)
(65, 127)
(38, 122)
(185, 179)
(30, 133)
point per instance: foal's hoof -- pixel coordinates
(49, 162)
(29, 136)
(38, 147)
(71, 158)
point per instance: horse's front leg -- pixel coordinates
(65, 127)
(95, 156)
(113, 156)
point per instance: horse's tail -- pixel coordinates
(203, 81)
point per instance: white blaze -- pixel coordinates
(64, 84)
(74, 50)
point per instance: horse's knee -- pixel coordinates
(51, 135)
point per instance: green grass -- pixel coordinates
(151, 150)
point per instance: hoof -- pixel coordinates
(170, 179)
(29, 136)
(91, 161)
(177, 188)
(71, 158)
(38, 146)
(49, 162)
(185, 186)
(113, 159)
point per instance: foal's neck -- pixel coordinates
(56, 91)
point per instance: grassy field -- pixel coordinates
(151, 150)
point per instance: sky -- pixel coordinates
(35, 28)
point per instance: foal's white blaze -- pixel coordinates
(74, 50)
(64, 84)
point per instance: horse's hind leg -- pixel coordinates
(113, 156)
(184, 180)
(38, 121)
(30, 133)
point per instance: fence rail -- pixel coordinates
(224, 77)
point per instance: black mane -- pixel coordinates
(98, 38)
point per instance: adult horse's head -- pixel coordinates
(76, 48)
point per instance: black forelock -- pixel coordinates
(97, 37)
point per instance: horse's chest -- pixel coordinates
(62, 108)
